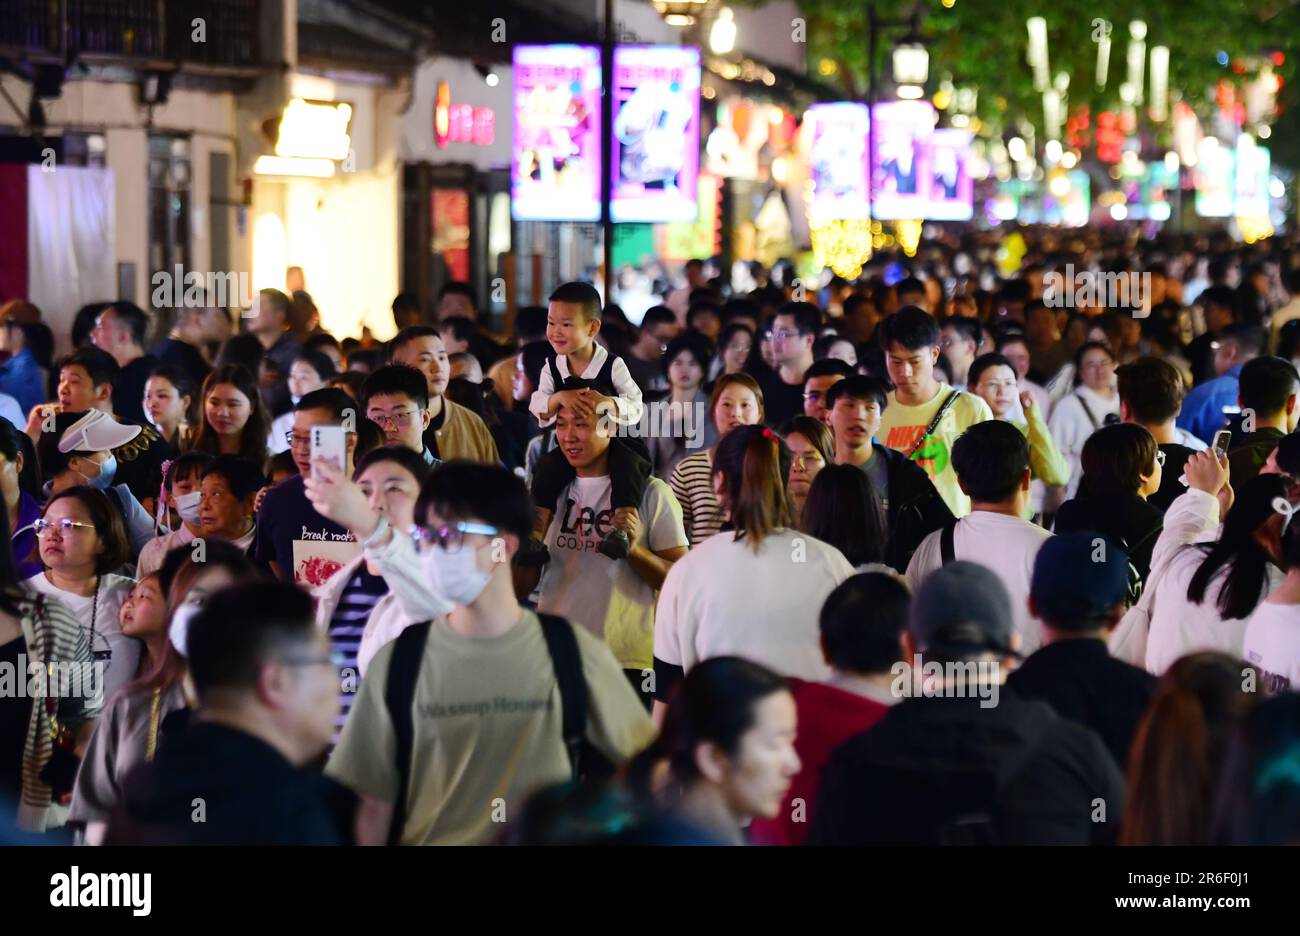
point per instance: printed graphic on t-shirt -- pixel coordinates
(933, 454)
(318, 555)
(1274, 683)
(582, 527)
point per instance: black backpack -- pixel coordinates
(399, 697)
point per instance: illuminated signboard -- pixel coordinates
(1250, 188)
(555, 164)
(656, 133)
(314, 130)
(898, 166)
(951, 189)
(1214, 183)
(837, 166)
(460, 123)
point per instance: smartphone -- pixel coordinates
(1222, 439)
(329, 443)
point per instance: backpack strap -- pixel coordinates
(947, 551)
(605, 379)
(567, 661)
(399, 697)
(934, 422)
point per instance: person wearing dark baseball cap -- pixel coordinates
(946, 767)
(1079, 591)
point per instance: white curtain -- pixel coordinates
(71, 251)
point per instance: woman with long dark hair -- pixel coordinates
(1272, 640)
(843, 509)
(812, 448)
(1203, 593)
(725, 754)
(169, 396)
(232, 420)
(38, 631)
(748, 591)
(1178, 747)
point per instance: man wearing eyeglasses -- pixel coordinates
(486, 695)
(396, 398)
(267, 695)
(452, 431)
(793, 331)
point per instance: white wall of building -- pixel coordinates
(111, 108)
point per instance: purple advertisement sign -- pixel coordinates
(555, 166)
(899, 183)
(838, 162)
(656, 133)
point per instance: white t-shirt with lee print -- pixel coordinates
(604, 595)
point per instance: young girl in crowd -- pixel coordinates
(168, 403)
(1122, 466)
(701, 611)
(1179, 747)
(735, 349)
(82, 545)
(725, 754)
(812, 448)
(233, 419)
(665, 423)
(736, 400)
(843, 509)
(1093, 403)
(37, 631)
(181, 497)
(128, 731)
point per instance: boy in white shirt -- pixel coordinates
(588, 380)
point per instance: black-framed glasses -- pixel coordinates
(449, 537)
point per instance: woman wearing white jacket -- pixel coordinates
(1206, 579)
(1092, 404)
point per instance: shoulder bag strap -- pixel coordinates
(947, 551)
(1088, 410)
(399, 697)
(567, 661)
(934, 423)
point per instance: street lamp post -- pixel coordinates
(911, 64)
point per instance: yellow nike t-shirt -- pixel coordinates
(901, 426)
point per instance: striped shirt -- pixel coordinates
(359, 598)
(692, 485)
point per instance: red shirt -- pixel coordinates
(827, 717)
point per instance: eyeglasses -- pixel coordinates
(400, 420)
(785, 333)
(450, 538)
(801, 462)
(64, 526)
(297, 441)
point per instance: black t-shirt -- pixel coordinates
(128, 389)
(182, 354)
(15, 715)
(305, 546)
(781, 401)
(140, 463)
(1170, 487)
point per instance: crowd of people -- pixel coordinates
(934, 556)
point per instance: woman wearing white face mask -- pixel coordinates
(78, 450)
(355, 607)
(181, 494)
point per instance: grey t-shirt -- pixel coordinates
(878, 471)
